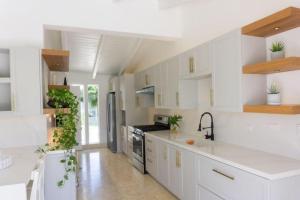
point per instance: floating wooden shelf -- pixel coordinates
(57, 60)
(58, 87)
(52, 111)
(281, 109)
(275, 66)
(281, 21)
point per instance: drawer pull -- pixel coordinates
(223, 174)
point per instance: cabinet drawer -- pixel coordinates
(204, 194)
(229, 182)
(151, 165)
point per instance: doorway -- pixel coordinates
(89, 116)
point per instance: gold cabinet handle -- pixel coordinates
(165, 153)
(178, 159)
(191, 64)
(177, 98)
(223, 174)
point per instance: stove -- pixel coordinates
(138, 140)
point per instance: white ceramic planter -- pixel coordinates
(274, 99)
(277, 55)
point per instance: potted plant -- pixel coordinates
(273, 96)
(174, 122)
(277, 50)
(63, 137)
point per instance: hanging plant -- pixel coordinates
(64, 136)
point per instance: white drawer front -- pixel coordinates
(151, 165)
(204, 194)
(230, 183)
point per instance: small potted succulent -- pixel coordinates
(273, 97)
(174, 122)
(277, 50)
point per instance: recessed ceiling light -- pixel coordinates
(276, 28)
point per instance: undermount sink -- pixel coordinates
(5, 161)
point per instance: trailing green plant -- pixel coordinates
(174, 121)
(64, 136)
(274, 89)
(277, 46)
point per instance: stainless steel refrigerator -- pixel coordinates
(111, 122)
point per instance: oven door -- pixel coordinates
(138, 147)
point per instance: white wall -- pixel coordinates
(22, 22)
(202, 22)
(86, 78)
(19, 130)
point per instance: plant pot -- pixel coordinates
(274, 99)
(277, 55)
(173, 128)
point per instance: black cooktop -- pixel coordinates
(155, 127)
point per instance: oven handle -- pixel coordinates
(136, 137)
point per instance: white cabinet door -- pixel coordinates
(160, 71)
(27, 92)
(151, 158)
(187, 64)
(175, 170)
(202, 59)
(149, 78)
(226, 62)
(172, 92)
(163, 163)
(139, 80)
(189, 178)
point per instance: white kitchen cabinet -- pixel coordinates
(139, 80)
(27, 92)
(161, 74)
(163, 163)
(195, 62)
(226, 62)
(175, 170)
(228, 55)
(151, 156)
(225, 181)
(172, 83)
(149, 79)
(189, 178)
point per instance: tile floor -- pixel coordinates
(108, 176)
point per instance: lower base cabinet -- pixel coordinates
(175, 170)
(204, 194)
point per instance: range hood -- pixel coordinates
(146, 90)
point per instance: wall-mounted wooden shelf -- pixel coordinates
(281, 109)
(52, 111)
(275, 66)
(281, 21)
(58, 87)
(57, 60)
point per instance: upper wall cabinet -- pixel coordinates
(195, 62)
(229, 53)
(145, 78)
(26, 63)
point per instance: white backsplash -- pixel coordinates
(278, 134)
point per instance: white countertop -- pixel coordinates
(24, 161)
(266, 165)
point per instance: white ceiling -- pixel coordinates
(114, 52)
